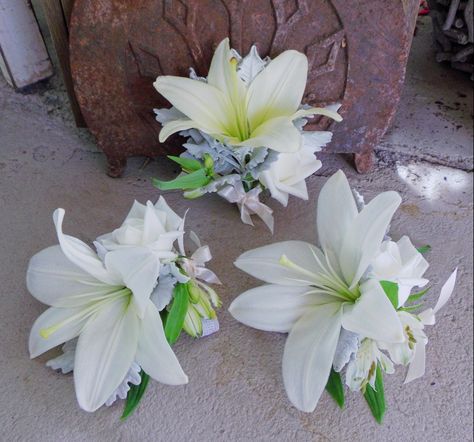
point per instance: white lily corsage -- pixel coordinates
(347, 304)
(118, 309)
(243, 126)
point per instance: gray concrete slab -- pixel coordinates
(235, 391)
(434, 119)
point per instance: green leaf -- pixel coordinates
(177, 313)
(376, 397)
(188, 164)
(135, 395)
(192, 180)
(335, 388)
(416, 296)
(391, 290)
(410, 308)
(424, 249)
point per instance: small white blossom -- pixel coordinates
(400, 262)
(362, 369)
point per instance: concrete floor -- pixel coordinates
(235, 390)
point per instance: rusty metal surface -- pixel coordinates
(357, 56)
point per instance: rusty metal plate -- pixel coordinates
(357, 56)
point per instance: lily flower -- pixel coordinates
(413, 348)
(312, 293)
(107, 306)
(258, 114)
(155, 227)
(287, 175)
(362, 369)
(400, 262)
(149, 232)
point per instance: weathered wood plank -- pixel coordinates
(55, 16)
(67, 9)
(23, 56)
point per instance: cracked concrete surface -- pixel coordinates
(235, 391)
(434, 119)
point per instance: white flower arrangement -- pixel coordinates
(118, 309)
(244, 129)
(348, 304)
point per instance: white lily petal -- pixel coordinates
(400, 354)
(415, 264)
(163, 247)
(105, 351)
(277, 90)
(402, 264)
(172, 127)
(373, 315)
(173, 220)
(153, 228)
(218, 75)
(80, 254)
(308, 355)
(54, 280)
(279, 134)
(139, 270)
(404, 292)
(427, 317)
(130, 233)
(71, 321)
(223, 75)
(154, 354)
(204, 104)
(266, 178)
(286, 176)
(264, 263)
(360, 369)
(298, 189)
(137, 211)
(336, 213)
(306, 164)
(446, 291)
(416, 368)
(364, 237)
(274, 307)
(388, 263)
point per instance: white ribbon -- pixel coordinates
(248, 203)
(195, 266)
(198, 260)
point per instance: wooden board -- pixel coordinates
(67, 9)
(23, 56)
(57, 14)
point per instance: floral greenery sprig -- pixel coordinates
(244, 129)
(118, 309)
(348, 304)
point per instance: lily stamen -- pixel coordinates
(46, 333)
